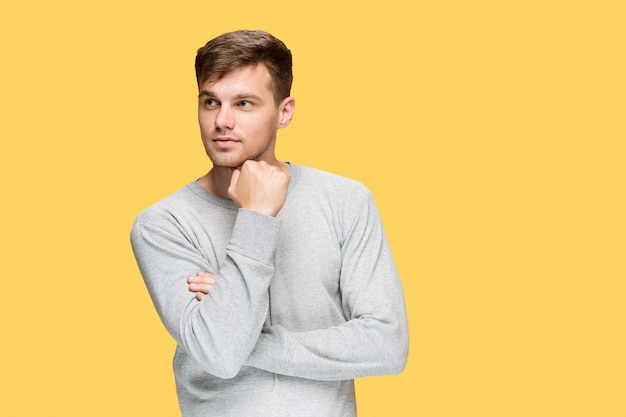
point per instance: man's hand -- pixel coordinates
(201, 283)
(259, 186)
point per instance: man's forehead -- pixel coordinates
(242, 72)
(245, 80)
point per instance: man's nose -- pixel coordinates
(225, 118)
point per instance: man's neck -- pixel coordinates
(217, 181)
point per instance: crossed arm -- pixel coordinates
(374, 338)
(372, 341)
(223, 335)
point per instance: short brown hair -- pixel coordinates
(247, 47)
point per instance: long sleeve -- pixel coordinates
(220, 331)
(374, 338)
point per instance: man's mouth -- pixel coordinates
(224, 141)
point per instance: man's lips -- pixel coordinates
(224, 141)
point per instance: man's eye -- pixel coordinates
(209, 102)
(245, 103)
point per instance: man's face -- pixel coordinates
(239, 117)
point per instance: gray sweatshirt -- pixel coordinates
(304, 302)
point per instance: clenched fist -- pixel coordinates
(259, 186)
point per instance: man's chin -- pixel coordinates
(230, 163)
(229, 167)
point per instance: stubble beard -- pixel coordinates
(231, 158)
(234, 158)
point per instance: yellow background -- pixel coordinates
(492, 134)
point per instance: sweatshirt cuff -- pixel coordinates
(255, 235)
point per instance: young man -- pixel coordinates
(276, 280)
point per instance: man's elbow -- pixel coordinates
(396, 361)
(398, 354)
(225, 372)
(218, 359)
(220, 366)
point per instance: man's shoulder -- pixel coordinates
(171, 202)
(341, 197)
(183, 203)
(329, 181)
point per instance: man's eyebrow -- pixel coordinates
(244, 96)
(206, 93)
(240, 96)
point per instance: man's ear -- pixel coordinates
(285, 111)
